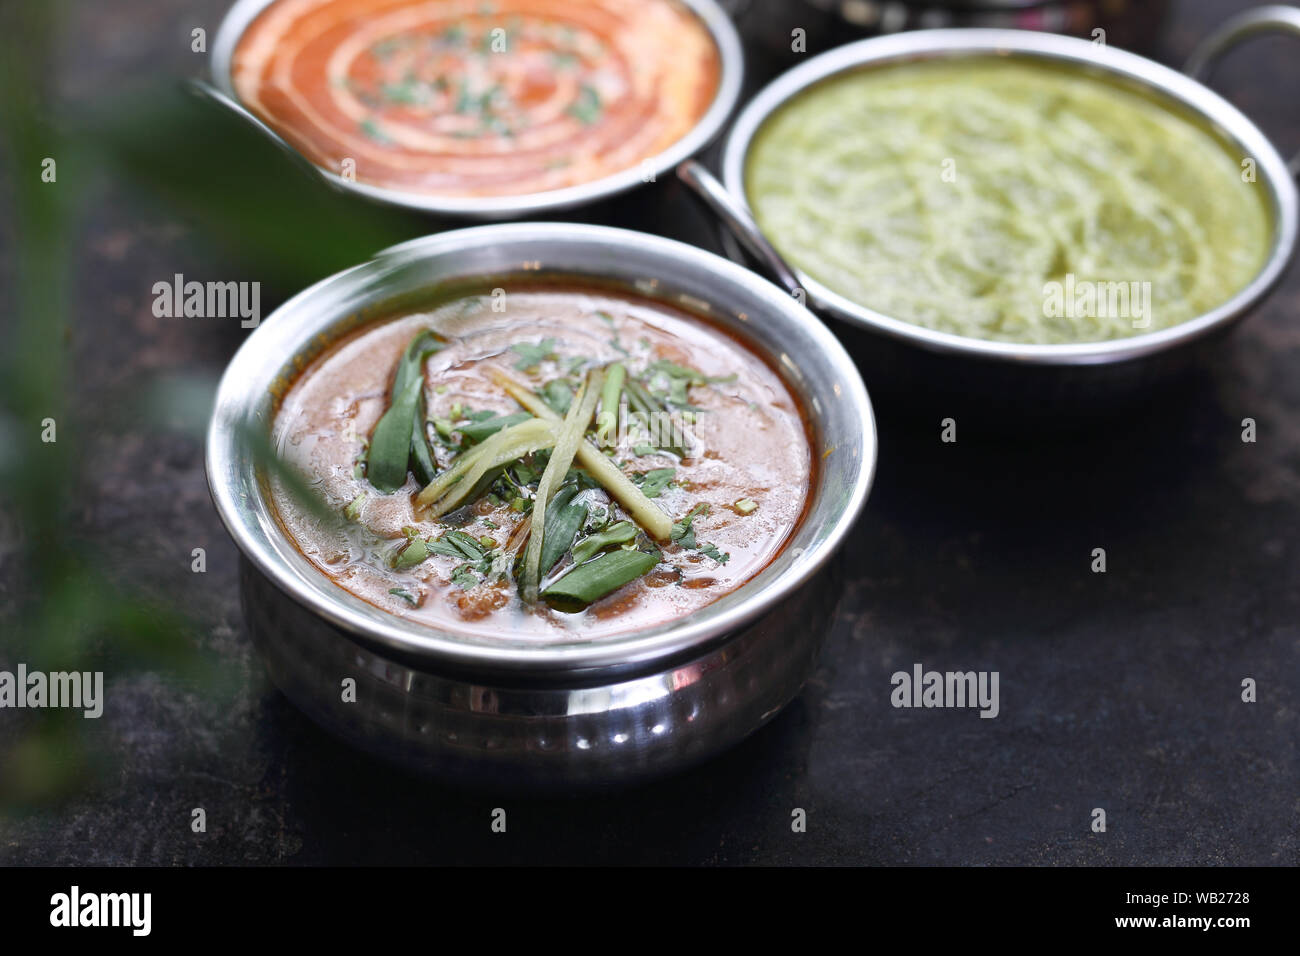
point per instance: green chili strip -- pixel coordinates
(619, 533)
(610, 395)
(423, 465)
(477, 431)
(390, 443)
(604, 471)
(395, 438)
(641, 400)
(567, 441)
(564, 519)
(593, 580)
(456, 483)
(411, 555)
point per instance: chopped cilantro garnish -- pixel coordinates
(405, 595)
(457, 544)
(586, 108)
(653, 482)
(712, 551)
(684, 531)
(684, 534)
(410, 93)
(558, 395)
(465, 577)
(372, 130)
(531, 355)
(353, 511)
(386, 47)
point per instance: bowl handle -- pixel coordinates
(213, 95)
(737, 218)
(1274, 18)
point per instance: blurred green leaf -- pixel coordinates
(237, 189)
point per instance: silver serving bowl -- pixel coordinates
(500, 711)
(731, 59)
(1129, 23)
(1032, 379)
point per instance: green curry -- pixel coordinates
(1008, 200)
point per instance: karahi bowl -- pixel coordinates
(495, 710)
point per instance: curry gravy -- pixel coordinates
(467, 98)
(749, 445)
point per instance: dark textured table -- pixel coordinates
(1119, 690)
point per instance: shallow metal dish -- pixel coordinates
(731, 58)
(1033, 378)
(1129, 23)
(503, 711)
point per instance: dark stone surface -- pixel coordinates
(1119, 691)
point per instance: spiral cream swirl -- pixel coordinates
(470, 98)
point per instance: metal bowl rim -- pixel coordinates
(731, 63)
(928, 44)
(237, 397)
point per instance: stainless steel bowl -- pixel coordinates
(1033, 379)
(502, 711)
(1129, 23)
(731, 58)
